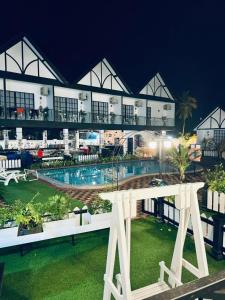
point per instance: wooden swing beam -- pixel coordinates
(123, 210)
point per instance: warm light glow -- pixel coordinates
(167, 144)
(152, 145)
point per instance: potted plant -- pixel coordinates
(6, 216)
(164, 119)
(28, 218)
(58, 207)
(112, 117)
(99, 210)
(136, 119)
(82, 115)
(45, 112)
(215, 180)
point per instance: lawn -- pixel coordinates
(26, 190)
(58, 270)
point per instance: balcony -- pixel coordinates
(48, 115)
(13, 113)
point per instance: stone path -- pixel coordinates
(87, 195)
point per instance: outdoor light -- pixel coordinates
(152, 145)
(167, 144)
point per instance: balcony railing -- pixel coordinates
(48, 115)
(30, 114)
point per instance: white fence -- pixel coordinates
(216, 201)
(171, 214)
(88, 157)
(211, 153)
(10, 164)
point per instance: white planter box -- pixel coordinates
(216, 201)
(98, 218)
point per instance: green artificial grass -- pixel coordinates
(26, 190)
(58, 270)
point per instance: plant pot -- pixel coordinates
(25, 231)
(104, 217)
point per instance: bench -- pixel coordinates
(52, 158)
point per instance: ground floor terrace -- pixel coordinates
(94, 141)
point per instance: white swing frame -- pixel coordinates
(124, 209)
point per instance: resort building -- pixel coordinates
(39, 108)
(211, 130)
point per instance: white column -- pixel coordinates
(77, 140)
(160, 148)
(125, 146)
(19, 137)
(6, 138)
(66, 140)
(101, 140)
(45, 139)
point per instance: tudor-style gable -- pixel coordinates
(215, 120)
(23, 58)
(104, 76)
(156, 87)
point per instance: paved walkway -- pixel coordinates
(87, 195)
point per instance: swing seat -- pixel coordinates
(149, 290)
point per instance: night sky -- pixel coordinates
(183, 40)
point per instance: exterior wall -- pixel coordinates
(73, 93)
(111, 135)
(26, 87)
(158, 110)
(157, 106)
(115, 108)
(204, 134)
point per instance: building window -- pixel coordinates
(148, 115)
(219, 135)
(17, 103)
(2, 105)
(19, 100)
(66, 109)
(128, 114)
(100, 111)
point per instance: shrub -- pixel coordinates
(179, 159)
(26, 215)
(6, 214)
(216, 179)
(99, 206)
(58, 206)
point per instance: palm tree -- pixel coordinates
(179, 158)
(186, 105)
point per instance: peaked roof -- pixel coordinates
(103, 75)
(215, 120)
(156, 87)
(22, 57)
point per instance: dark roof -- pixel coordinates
(21, 37)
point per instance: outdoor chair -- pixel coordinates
(7, 175)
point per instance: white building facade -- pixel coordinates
(35, 98)
(212, 128)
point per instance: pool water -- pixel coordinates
(101, 174)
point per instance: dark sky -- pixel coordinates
(183, 40)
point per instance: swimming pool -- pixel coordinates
(100, 174)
